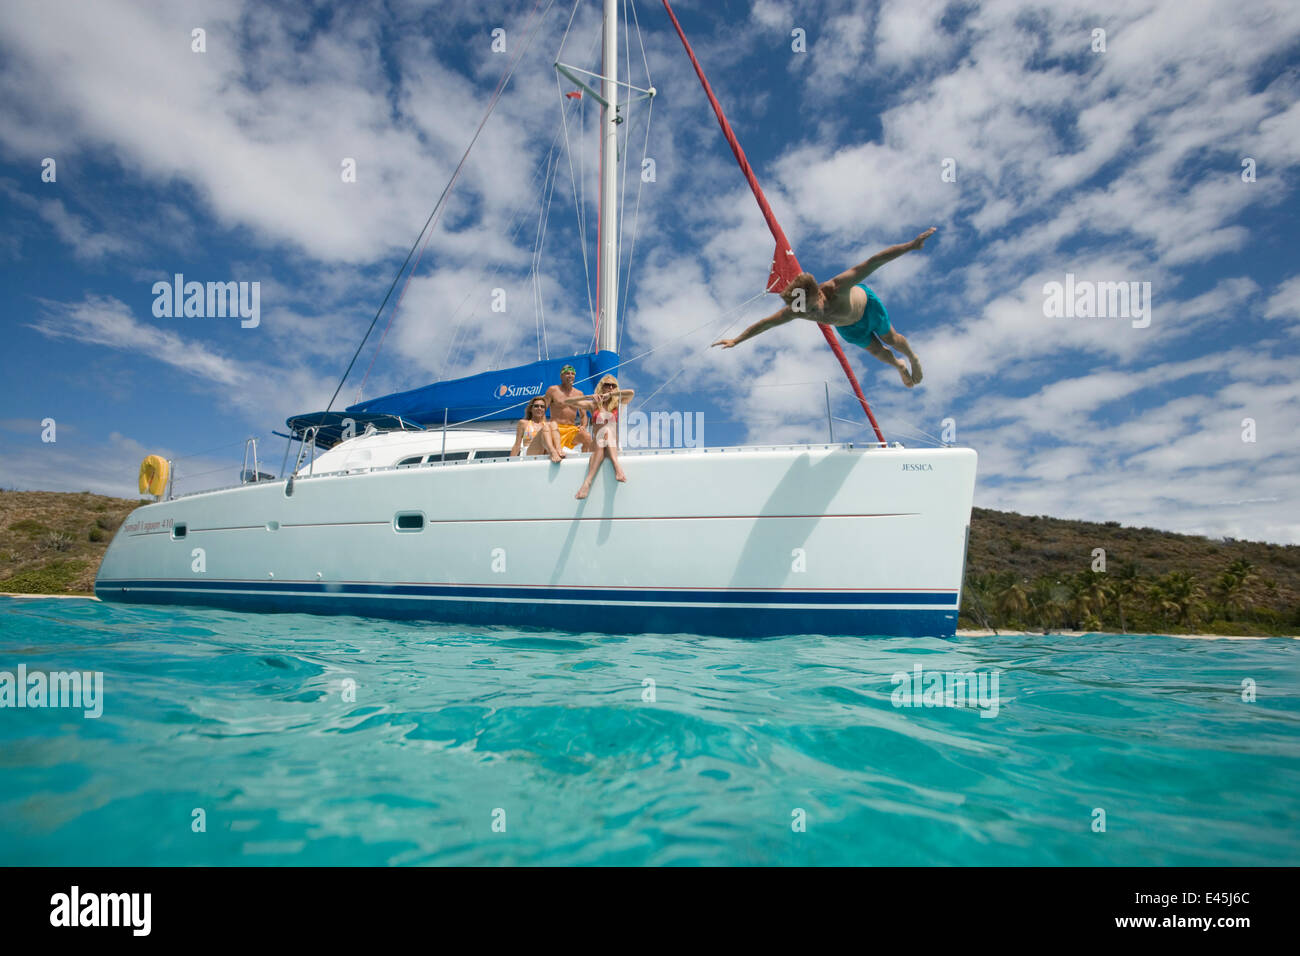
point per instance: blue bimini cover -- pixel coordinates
(489, 396)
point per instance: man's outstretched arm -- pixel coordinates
(772, 321)
(853, 276)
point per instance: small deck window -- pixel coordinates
(179, 530)
(451, 456)
(410, 461)
(409, 521)
(492, 453)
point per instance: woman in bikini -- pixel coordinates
(851, 306)
(535, 435)
(604, 407)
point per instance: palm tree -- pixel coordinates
(1178, 595)
(1235, 587)
(977, 595)
(1012, 601)
(1089, 593)
(1126, 582)
(1047, 598)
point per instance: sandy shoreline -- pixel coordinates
(81, 597)
(1194, 637)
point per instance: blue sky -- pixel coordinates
(1122, 165)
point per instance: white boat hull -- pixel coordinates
(752, 542)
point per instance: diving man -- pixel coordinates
(851, 306)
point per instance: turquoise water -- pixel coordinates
(244, 717)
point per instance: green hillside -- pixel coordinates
(1022, 572)
(52, 542)
(1026, 572)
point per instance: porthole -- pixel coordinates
(409, 521)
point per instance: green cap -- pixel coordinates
(569, 368)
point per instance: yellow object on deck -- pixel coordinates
(153, 475)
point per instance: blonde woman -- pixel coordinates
(604, 407)
(850, 305)
(535, 435)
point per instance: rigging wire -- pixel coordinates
(564, 39)
(208, 451)
(581, 213)
(496, 96)
(624, 362)
(582, 188)
(410, 275)
(636, 216)
(541, 244)
(543, 215)
(622, 153)
(179, 475)
(641, 41)
(455, 335)
(646, 400)
(645, 149)
(514, 234)
(535, 259)
(918, 429)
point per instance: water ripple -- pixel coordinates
(310, 740)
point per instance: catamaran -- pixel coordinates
(410, 505)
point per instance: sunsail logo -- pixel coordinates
(518, 391)
(102, 909)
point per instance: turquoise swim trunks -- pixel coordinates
(874, 320)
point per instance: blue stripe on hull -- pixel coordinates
(818, 617)
(577, 595)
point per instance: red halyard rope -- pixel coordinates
(782, 243)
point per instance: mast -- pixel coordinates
(607, 253)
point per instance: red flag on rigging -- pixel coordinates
(784, 269)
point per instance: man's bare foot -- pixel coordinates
(618, 475)
(916, 371)
(583, 491)
(919, 241)
(907, 379)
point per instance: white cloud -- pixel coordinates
(103, 320)
(88, 243)
(1285, 302)
(908, 31)
(1123, 165)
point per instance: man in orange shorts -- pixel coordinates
(572, 424)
